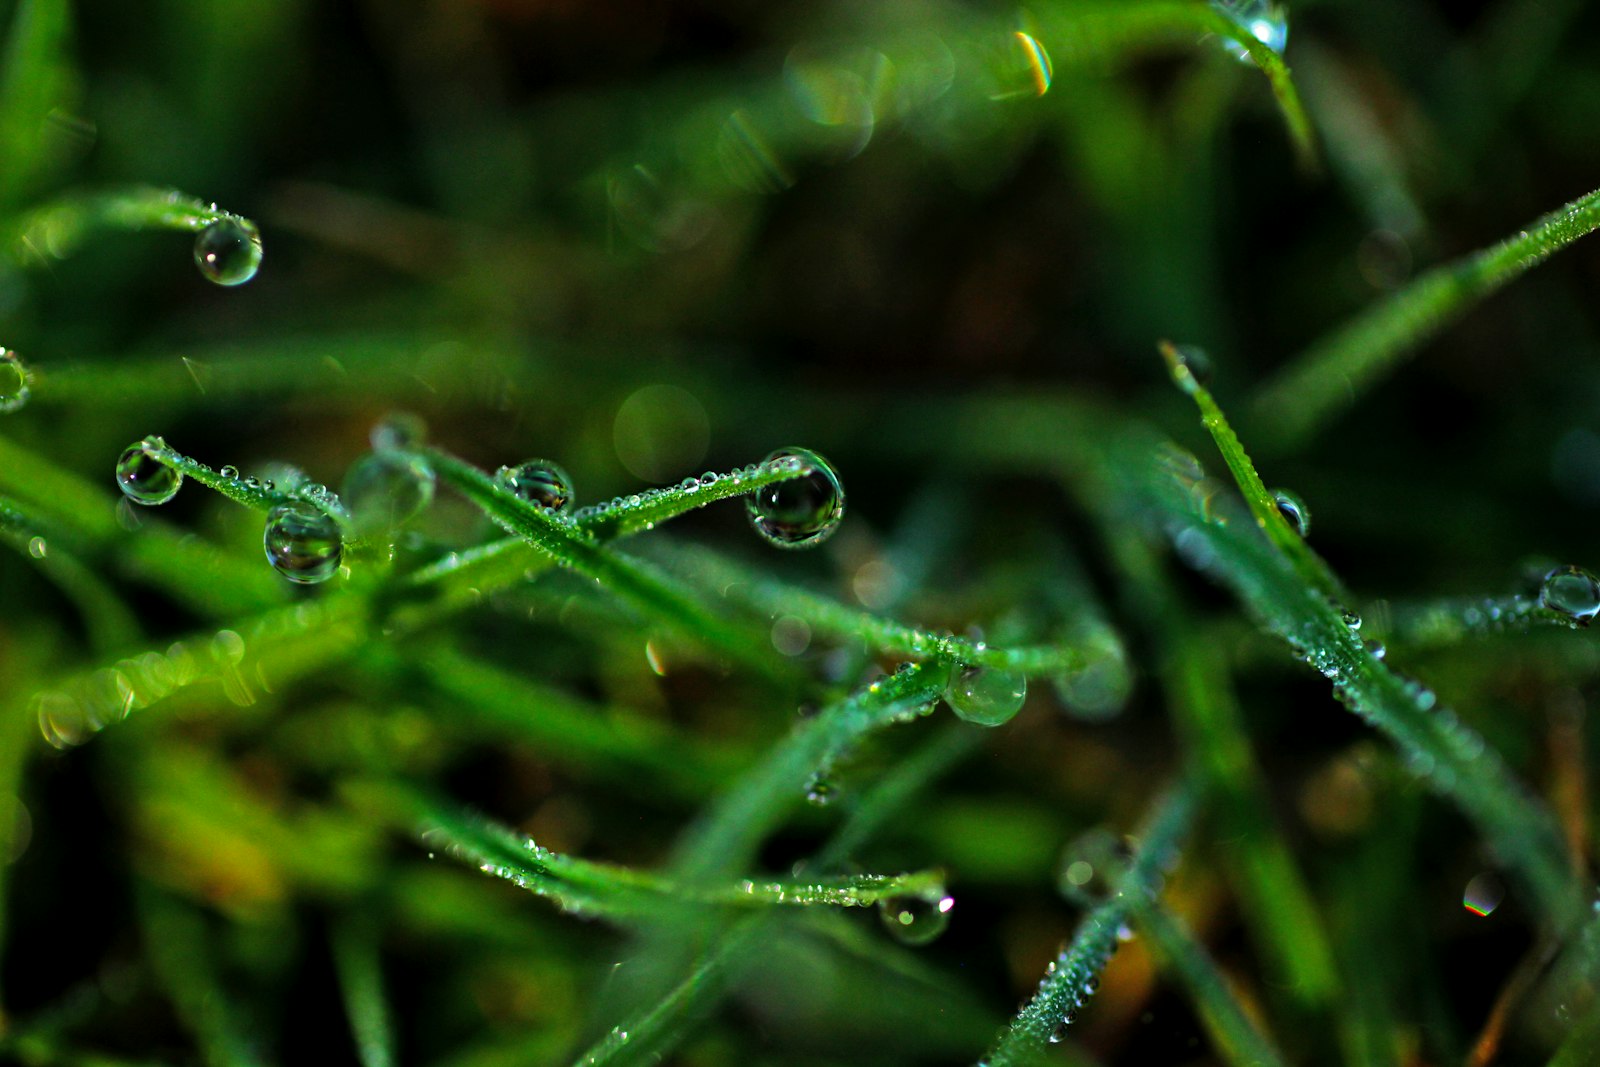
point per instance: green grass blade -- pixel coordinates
(1441, 623)
(1041, 1020)
(639, 512)
(109, 622)
(251, 492)
(1235, 1038)
(355, 958)
(57, 229)
(1327, 377)
(35, 79)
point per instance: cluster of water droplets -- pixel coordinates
(1265, 20)
(228, 251)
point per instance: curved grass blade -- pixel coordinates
(1064, 987)
(251, 492)
(1328, 376)
(1234, 1036)
(1440, 623)
(644, 511)
(109, 622)
(622, 894)
(830, 618)
(35, 80)
(59, 228)
(570, 546)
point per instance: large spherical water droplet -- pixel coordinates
(144, 479)
(228, 251)
(915, 920)
(800, 512)
(1293, 510)
(302, 543)
(15, 382)
(384, 490)
(1573, 592)
(539, 481)
(986, 696)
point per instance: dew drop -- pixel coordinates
(1350, 619)
(986, 696)
(228, 251)
(302, 543)
(915, 920)
(539, 481)
(15, 382)
(1294, 511)
(384, 490)
(1058, 1033)
(800, 512)
(1572, 591)
(1092, 866)
(1192, 365)
(398, 429)
(1375, 649)
(1265, 20)
(145, 479)
(1483, 894)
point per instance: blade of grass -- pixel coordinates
(355, 958)
(1327, 377)
(56, 229)
(35, 78)
(1039, 1022)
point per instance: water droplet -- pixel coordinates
(302, 543)
(1350, 619)
(1572, 591)
(398, 429)
(986, 696)
(1375, 649)
(820, 791)
(1483, 894)
(1191, 365)
(228, 251)
(915, 920)
(145, 479)
(1058, 1033)
(1294, 511)
(1092, 866)
(800, 512)
(15, 382)
(1024, 70)
(384, 490)
(539, 481)
(1265, 20)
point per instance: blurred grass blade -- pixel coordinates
(1063, 989)
(355, 958)
(1327, 377)
(1236, 1039)
(35, 81)
(58, 229)
(645, 511)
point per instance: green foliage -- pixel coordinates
(471, 761)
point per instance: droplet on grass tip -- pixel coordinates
(1572, 591)
(915, 920)
(538, 481)
(384, 490)
(1293, 510)
(144, 479)
(1190, 365)
(1265, 20)
(799, 512)
(986, 696)
(302, 543)
(15, 382)
(228, 251)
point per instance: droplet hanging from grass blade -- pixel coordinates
(985, 696)
(538, 481)
(800, 512)
(16, 382)
(228, 251)
(1265, 20)
(916, 920)
(144, 479)
(302, 543)
(1572, 591)
(1293, 510)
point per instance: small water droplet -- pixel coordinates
(1294, 511)
(986, 696)
(228, 251)
(1190, 365)
(302, 543)
(915, 920)
(820, 791)
(1483, 894)
(1265, 20)
(1572, 591)
(15, 382)
(145, 479)
(539, 481)
(398, 429)
(1350, 619)
(1375, 649)
(1058, 1033)
(800, 512)
(1092, 866)
(384, 490)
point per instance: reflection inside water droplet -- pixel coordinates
(539, 481)
(228, 251)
